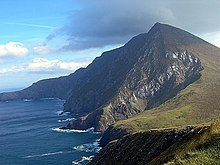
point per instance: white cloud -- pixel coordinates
(12, 69)
(43, 64)
(30, 25)
(43, 49)
(16, 49)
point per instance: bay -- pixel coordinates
(30, 134)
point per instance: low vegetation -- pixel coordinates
(189, 145)
(207, 153)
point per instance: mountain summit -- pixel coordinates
(147, 71)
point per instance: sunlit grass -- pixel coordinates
(208, 154)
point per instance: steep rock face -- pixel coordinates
(161, 70)
(104, 76)
(112, 134)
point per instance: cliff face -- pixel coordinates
(104, 76)
(160, 70)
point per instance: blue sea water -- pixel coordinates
(30, 135)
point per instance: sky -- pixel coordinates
(51, 38)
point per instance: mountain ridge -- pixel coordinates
(144, 73)
(182, 68)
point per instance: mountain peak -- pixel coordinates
(158, 26)
(173, 36)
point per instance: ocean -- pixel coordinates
(30, 135)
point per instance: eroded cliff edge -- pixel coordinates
(160, 146)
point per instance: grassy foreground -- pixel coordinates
(207, 153)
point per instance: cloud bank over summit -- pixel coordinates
(99, 23)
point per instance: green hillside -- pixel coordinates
(207, 153)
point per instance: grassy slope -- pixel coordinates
(198, 103)
(207, 153)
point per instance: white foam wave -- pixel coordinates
(49, 98)
(65, 120)
(27, 100)
(45, 154)
(89, 147)
(90, 130)
(59, 112)
(62, 113)
(84, 158)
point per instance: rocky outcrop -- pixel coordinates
(162, 68)
(111, 134)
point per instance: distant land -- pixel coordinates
(161, 87)
(10, 89)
